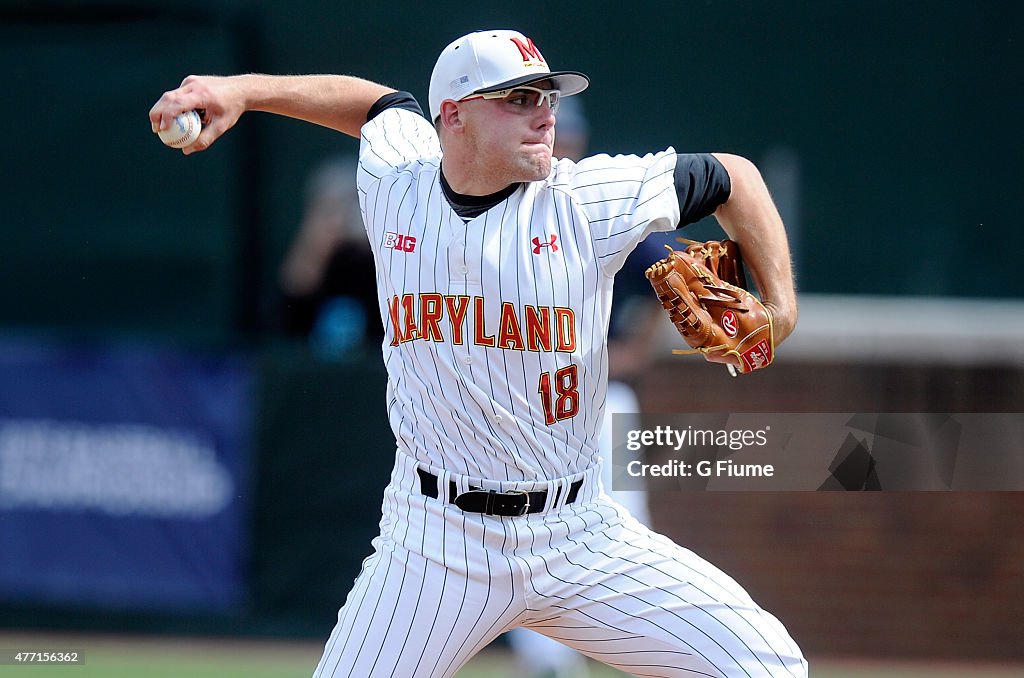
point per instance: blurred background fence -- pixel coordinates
(143, 357)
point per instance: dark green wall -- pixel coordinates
(901, 116)
(887, 131)
(326, 452)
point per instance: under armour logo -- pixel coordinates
(537, 244)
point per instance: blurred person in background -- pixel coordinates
(327, 278)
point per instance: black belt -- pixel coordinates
(491, 502)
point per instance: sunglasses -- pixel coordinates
(524, 96)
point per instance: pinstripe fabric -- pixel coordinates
(454, 401)
(442, 584)
(495, 349)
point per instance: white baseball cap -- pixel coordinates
(489, 61)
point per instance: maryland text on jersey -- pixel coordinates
(526, 328)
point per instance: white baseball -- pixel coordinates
(183, 131)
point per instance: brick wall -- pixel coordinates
(913, 574)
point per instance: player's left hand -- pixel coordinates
(703, 290)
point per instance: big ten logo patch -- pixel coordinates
(399, 242)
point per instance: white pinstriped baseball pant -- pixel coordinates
(442, 584)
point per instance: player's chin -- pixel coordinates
(537, 163)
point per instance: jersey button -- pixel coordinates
(464, 270)
(468, 359)
(497, 419)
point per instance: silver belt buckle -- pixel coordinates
(526, 506)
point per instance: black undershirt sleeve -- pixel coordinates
(394, 100)
(702, 184)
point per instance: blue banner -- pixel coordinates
(123, 476)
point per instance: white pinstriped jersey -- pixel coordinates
(497, 380)
(495, 329)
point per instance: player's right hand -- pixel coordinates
(219, 100)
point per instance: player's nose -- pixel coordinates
(545, 117)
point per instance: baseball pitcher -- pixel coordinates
(495, 264)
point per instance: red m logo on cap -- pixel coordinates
(529, 50)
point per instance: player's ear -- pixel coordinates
(450, 117)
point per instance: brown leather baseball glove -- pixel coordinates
(704, 291)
